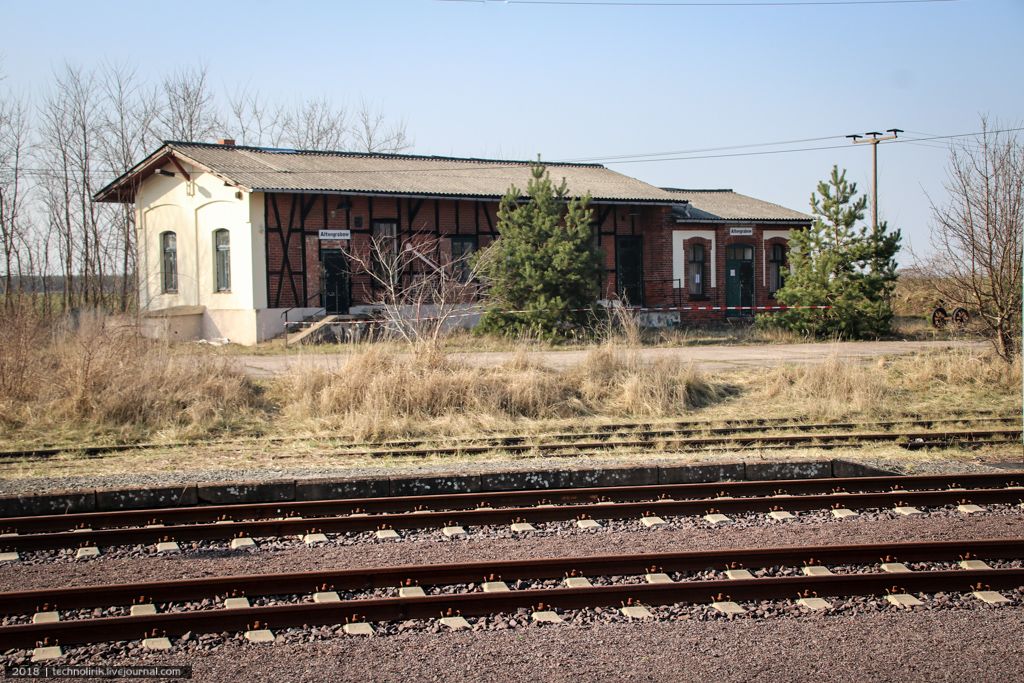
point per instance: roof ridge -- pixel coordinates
(371, 155)
(683, 189)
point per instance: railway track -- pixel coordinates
(732, 438)
(744, 433)
(632, 580)
(211, 523)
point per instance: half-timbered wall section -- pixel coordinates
(294, 222)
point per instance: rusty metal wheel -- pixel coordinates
(939, 318)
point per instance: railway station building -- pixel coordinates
(234, 241)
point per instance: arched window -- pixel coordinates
(222, 259)
(696, 271)
(169, 262)
(776, 268)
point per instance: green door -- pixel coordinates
(334, 281)
(739, 279)
(629, 269)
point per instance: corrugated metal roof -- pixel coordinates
(268, 170)
(726, 205)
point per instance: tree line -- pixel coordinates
(89, 125)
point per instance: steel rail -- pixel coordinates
(468, 501)
(478, 604)
(485, 516)
(20, 602)
(653, 430)
(688, 443)
(597, 430)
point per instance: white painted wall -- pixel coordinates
(193, 210)
(679, 257)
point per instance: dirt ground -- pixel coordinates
(708, 358)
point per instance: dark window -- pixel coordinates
(776, 268)
(385, 250)
(739, 252)
(222, 259)
(695, 276)
(169, 262)
(463, 249)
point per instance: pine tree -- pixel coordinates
(836, 264)
(542, 273)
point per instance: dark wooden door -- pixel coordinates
(739, 279)
(334, 281)
(629, 269)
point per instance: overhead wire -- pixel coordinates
(610, 159)
(707, 3)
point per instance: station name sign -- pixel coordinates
(335, 234)
(741, 232)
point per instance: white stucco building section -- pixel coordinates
(193, 210)
(765, 236)
(679, 256)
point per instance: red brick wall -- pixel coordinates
(294, 218)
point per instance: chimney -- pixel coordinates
(227, 142)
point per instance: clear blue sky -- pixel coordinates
(514, 80)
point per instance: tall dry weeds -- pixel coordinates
(934, 382)
(376, 394)
(97, 378)
(832, 388)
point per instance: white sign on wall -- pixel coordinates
(741, 232)
(335, 234)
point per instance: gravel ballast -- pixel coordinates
(878, 645)
(630, 539)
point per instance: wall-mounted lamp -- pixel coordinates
(160, 171)
(342, 205)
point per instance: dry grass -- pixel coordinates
(99, 381)
(935, 382)
(375, 394)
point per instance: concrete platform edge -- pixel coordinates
(225, 493)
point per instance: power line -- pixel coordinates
(704, 149)
(809, 149)
(613, 159)
(745, 3)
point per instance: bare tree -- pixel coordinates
(188, 111)
(56, 185)
(977, 234)
(254, 121)
(91, 125)
(14, 133)
(124, 138)
(420, 293)
(316, 124)
(373, 134)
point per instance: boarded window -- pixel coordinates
(222, 259)
(169, 262)
(695, 275)
(463, 249)
(384, 255)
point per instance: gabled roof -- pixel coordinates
(261, 169)
(725, 205)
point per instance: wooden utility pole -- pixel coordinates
(873, 140)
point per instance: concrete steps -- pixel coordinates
(330, 328)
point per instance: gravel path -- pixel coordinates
(708, 358)
(811, 531)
